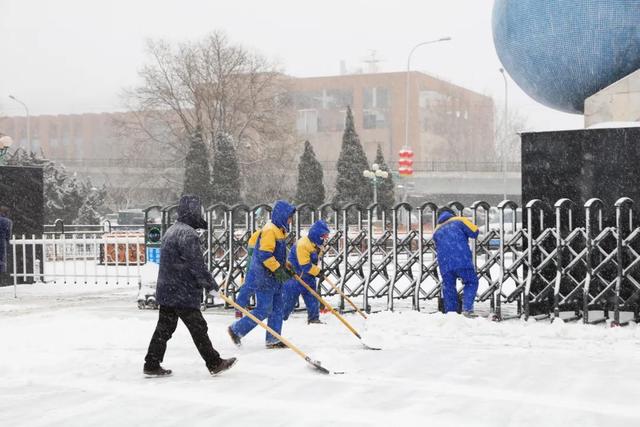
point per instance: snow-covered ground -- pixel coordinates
(72, 356)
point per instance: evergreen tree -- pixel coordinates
(64, 194)
(351, 185)
(89, 212)
(197, 174)
(310, 186)
(226, 172)
(386, 193)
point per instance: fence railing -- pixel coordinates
(537, 261)
(112, 258)
(448, 166)
(418, 166)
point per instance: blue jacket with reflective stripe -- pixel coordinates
(452, 242)
(304, 254)
(270, 251)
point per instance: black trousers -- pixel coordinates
(167, 323)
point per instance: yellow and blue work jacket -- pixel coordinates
(270, 251)
(304, 254)
(452, 242)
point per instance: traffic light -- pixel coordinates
(405, 162)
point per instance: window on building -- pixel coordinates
(307, 121)
(376, 108)
(307, 100)
(336, 99)
(375, 97)
(321, 111)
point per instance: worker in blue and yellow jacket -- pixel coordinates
(451, 237)
(304, 260)
(248, 288)
(269, 273)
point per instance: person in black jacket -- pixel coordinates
(5, 235)
(181, 279)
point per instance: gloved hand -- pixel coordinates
(289, 267)
(282, 274)
(214, 291)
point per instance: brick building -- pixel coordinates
(447, 123)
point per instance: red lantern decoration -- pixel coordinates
(405, 161)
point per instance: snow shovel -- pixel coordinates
(315, 363)
(333, 285)
(334, 312)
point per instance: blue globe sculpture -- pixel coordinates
(560, 52)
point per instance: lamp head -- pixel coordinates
(5, 141)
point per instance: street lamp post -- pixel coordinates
(28, 122)
(373, 175)
(504, 137)
(406, 110)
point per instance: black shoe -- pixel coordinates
(315, 321)
(276, 345)
(235, 338)
(158, 371)
(223, 365)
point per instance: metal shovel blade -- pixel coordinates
(316, 364)
(368, 347)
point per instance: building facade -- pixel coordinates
(447, 123)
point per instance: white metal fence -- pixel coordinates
(113, 258)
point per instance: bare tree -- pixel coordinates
(219, 87)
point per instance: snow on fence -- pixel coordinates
(560, 260)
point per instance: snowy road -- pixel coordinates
(72, 356)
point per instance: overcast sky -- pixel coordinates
(74, 56)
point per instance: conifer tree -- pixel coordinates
(64, 192)
(386, 193)
(351, 185)
(89, 212)
(226, 172)
(310, 187)
(197, 175)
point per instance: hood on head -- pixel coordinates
(190, 211)
(282, 210)
(316, 231)
(444, 214)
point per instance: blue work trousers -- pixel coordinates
(247, 290)
(293, 290)
(450, 294)
(269, 304)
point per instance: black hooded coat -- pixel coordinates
(183, 273)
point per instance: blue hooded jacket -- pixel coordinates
(183, 272)
(452, 242)
(271, 248)
(304, 254)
